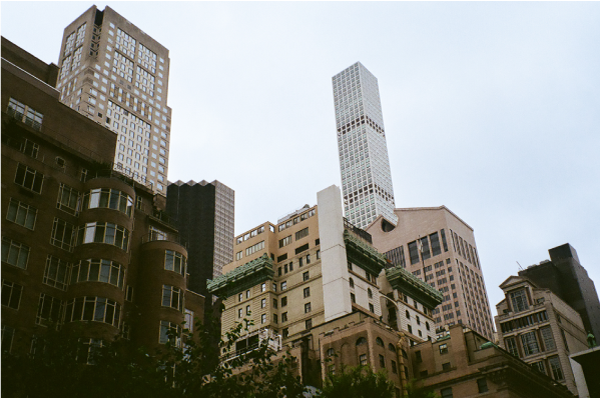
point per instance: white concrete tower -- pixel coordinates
(364, 163)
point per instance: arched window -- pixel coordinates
(391, 347)
(351, 282)
(407, 314)
(361, 341)
(370, 293)
(379, 341)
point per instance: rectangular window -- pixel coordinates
(283, 301)
(284, 317)
(56, 273)
(482, 385)
(301, 249)
(254, 248)
(283, 285)
(539, 366)
(169, 331)
(175, 261)
(263, 303)
(413, 251)
(362, 359)
(308, 324)
(172, 297)
(285, 241)
(435, 244)
(446, 393)
(443, 348)
(305, 276)
(11, 294)
(519, 300)
(21, 213)
(396, 256)
(15, 253)
(302, 233)
(547, 338)
(62, 234)
(530, 344)
(263, 318)
(425, 252)
(444, 242)
(67, 199)
(7, 338)
(49, 310)
(307, 308)
(29, 178)
(557, 372)
(306, 292)
(381, 361)
(238, 255)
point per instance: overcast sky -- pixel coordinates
(492, 109)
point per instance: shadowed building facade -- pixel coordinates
(83, 246)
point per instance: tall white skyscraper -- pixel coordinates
(115, 74)
(364, 163)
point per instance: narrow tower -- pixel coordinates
(364, 163)
(117, 75)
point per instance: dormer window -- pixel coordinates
(518, 299)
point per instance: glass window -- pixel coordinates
(519, 300)
(62, 234)
(530, 344)
(547, 338)
(108, 199)
(97, 309)
(49, 310)
(67, 199)
(555, 367)
(98, 270)
(103, 232)
(172, 297)
(169, 332)
(29, 178)
(15, 253)
(21, 213)
(175, 261)
(11, 294)
(56, 273)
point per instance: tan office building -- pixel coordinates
(439, 248)
(313, 272)
(115, 74)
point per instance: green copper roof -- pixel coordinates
(364, 255)
(405, 282)
(242, 278)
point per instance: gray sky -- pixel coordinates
(492, 109)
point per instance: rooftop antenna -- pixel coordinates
(521, 268)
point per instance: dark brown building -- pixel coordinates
(81, 243)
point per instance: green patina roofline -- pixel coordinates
(404, 281)
(243, 277)
(364, 255)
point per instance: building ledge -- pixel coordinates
(405, 282)
(242, 277)
(364, 255)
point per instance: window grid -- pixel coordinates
(98, 270)
(15, 253)
(56, 273)
(21, 214)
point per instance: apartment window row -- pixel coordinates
(103, 232)
(25, 114)
(56, 273)
(530, 342)
(98, 270)
(98, 309)
(426, 247)
(296, 220)
(175, 261)
(254, 248)
(524, 322)
(253, 233)
(109, 199)
(464, 249)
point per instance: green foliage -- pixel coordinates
(358, 382)
(62, 367)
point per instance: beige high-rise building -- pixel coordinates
(439, 248)
(117, 75)
(534, 324)
(311, 274)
